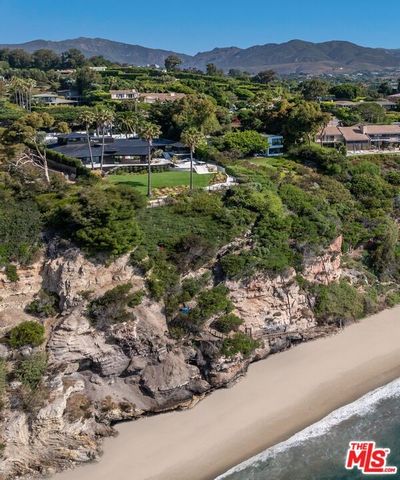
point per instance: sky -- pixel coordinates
(192, 26)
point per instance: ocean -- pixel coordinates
(319, 451)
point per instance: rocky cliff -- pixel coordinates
(99, 376)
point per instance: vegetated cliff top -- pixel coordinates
(289, 57)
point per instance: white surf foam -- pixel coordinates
(360, 407)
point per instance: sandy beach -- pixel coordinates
(279, 396)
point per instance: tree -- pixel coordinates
(87, 119)
(304, 121)
(86, 78)
(211, 69)
(18, 58)
(246, 143)
(192, 138)
(172, 62)
(314, 89)
(72, 58)
(128, 122)
(62, 127)
(371, 112)
(26, 130)
(149, 131)
(346, 91)
(266, 76)
(197, 112)
(45, 59)
(104, 119)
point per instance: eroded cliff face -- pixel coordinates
(96, 377)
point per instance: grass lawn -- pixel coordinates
(160, 180)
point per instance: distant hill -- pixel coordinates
(296, 56)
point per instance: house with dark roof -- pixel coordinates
(117, 152)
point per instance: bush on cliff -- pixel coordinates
(26, 333)
(239, 343)
(112, 306)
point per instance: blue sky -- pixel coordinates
(192, 26)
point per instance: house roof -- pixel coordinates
(353, 134)
(122, 147)
(382, 129)
(331, 130)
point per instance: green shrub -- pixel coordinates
(393, 299)
(30, 370)
(97, 219)
(227, 323)
(20, 227)
(112, 306)
(136, 298)
(338, 301)
(44, 306)
(11, 273)
(239, 343)
(209, 303)
(26, 333)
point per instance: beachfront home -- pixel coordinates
(361, 137)
(124, 152)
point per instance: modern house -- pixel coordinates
(52, 99)
(361, 137)
(145, 97)
(117, 152)
(275, 145)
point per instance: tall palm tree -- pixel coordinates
(192, 138)
(149, 131)
(30, 84)
(87, 119)
(104, 119)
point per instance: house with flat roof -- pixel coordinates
(117, 152)
(52, 99)
(361, 137)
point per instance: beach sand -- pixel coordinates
(279, 396)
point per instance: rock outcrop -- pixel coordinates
(271, 303)
(99, 376)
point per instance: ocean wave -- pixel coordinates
(360, 407)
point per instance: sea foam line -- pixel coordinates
(360, 407)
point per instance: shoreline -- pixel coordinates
(278, 397)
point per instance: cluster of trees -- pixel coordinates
(46, 59)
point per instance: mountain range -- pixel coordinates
(295, 56)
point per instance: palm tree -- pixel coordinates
(87, 118)
(127, 122)
(30, 84)
(192, 138)
(149, 131)
(104, 119)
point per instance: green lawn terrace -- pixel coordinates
(163, 183)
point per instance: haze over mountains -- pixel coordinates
(295, 56)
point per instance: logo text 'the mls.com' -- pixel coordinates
(368, 458)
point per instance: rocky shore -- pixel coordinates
(96, 378)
